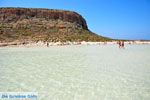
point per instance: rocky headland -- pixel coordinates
(24, 25)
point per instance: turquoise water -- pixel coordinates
(100, 72)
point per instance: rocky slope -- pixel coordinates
(30, 24)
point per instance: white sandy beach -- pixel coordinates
(45, 44)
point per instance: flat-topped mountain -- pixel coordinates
(31, 24)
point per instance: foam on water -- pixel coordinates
(77, 72)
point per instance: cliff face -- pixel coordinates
(8, 15)
(43, 24)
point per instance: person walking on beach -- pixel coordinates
(119, 43)
(47, 44)
(122, 44)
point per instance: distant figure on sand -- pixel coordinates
(121, 44)
(47, 44)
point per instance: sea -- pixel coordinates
(77, 72)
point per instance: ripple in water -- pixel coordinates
(77, 72)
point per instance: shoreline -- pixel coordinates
(48, 44)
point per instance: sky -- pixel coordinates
(117, 19)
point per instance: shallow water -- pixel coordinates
(100, 72)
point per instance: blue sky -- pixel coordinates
(119, 19)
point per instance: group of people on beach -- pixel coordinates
(121, 44)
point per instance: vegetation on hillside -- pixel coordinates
(26, 25)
